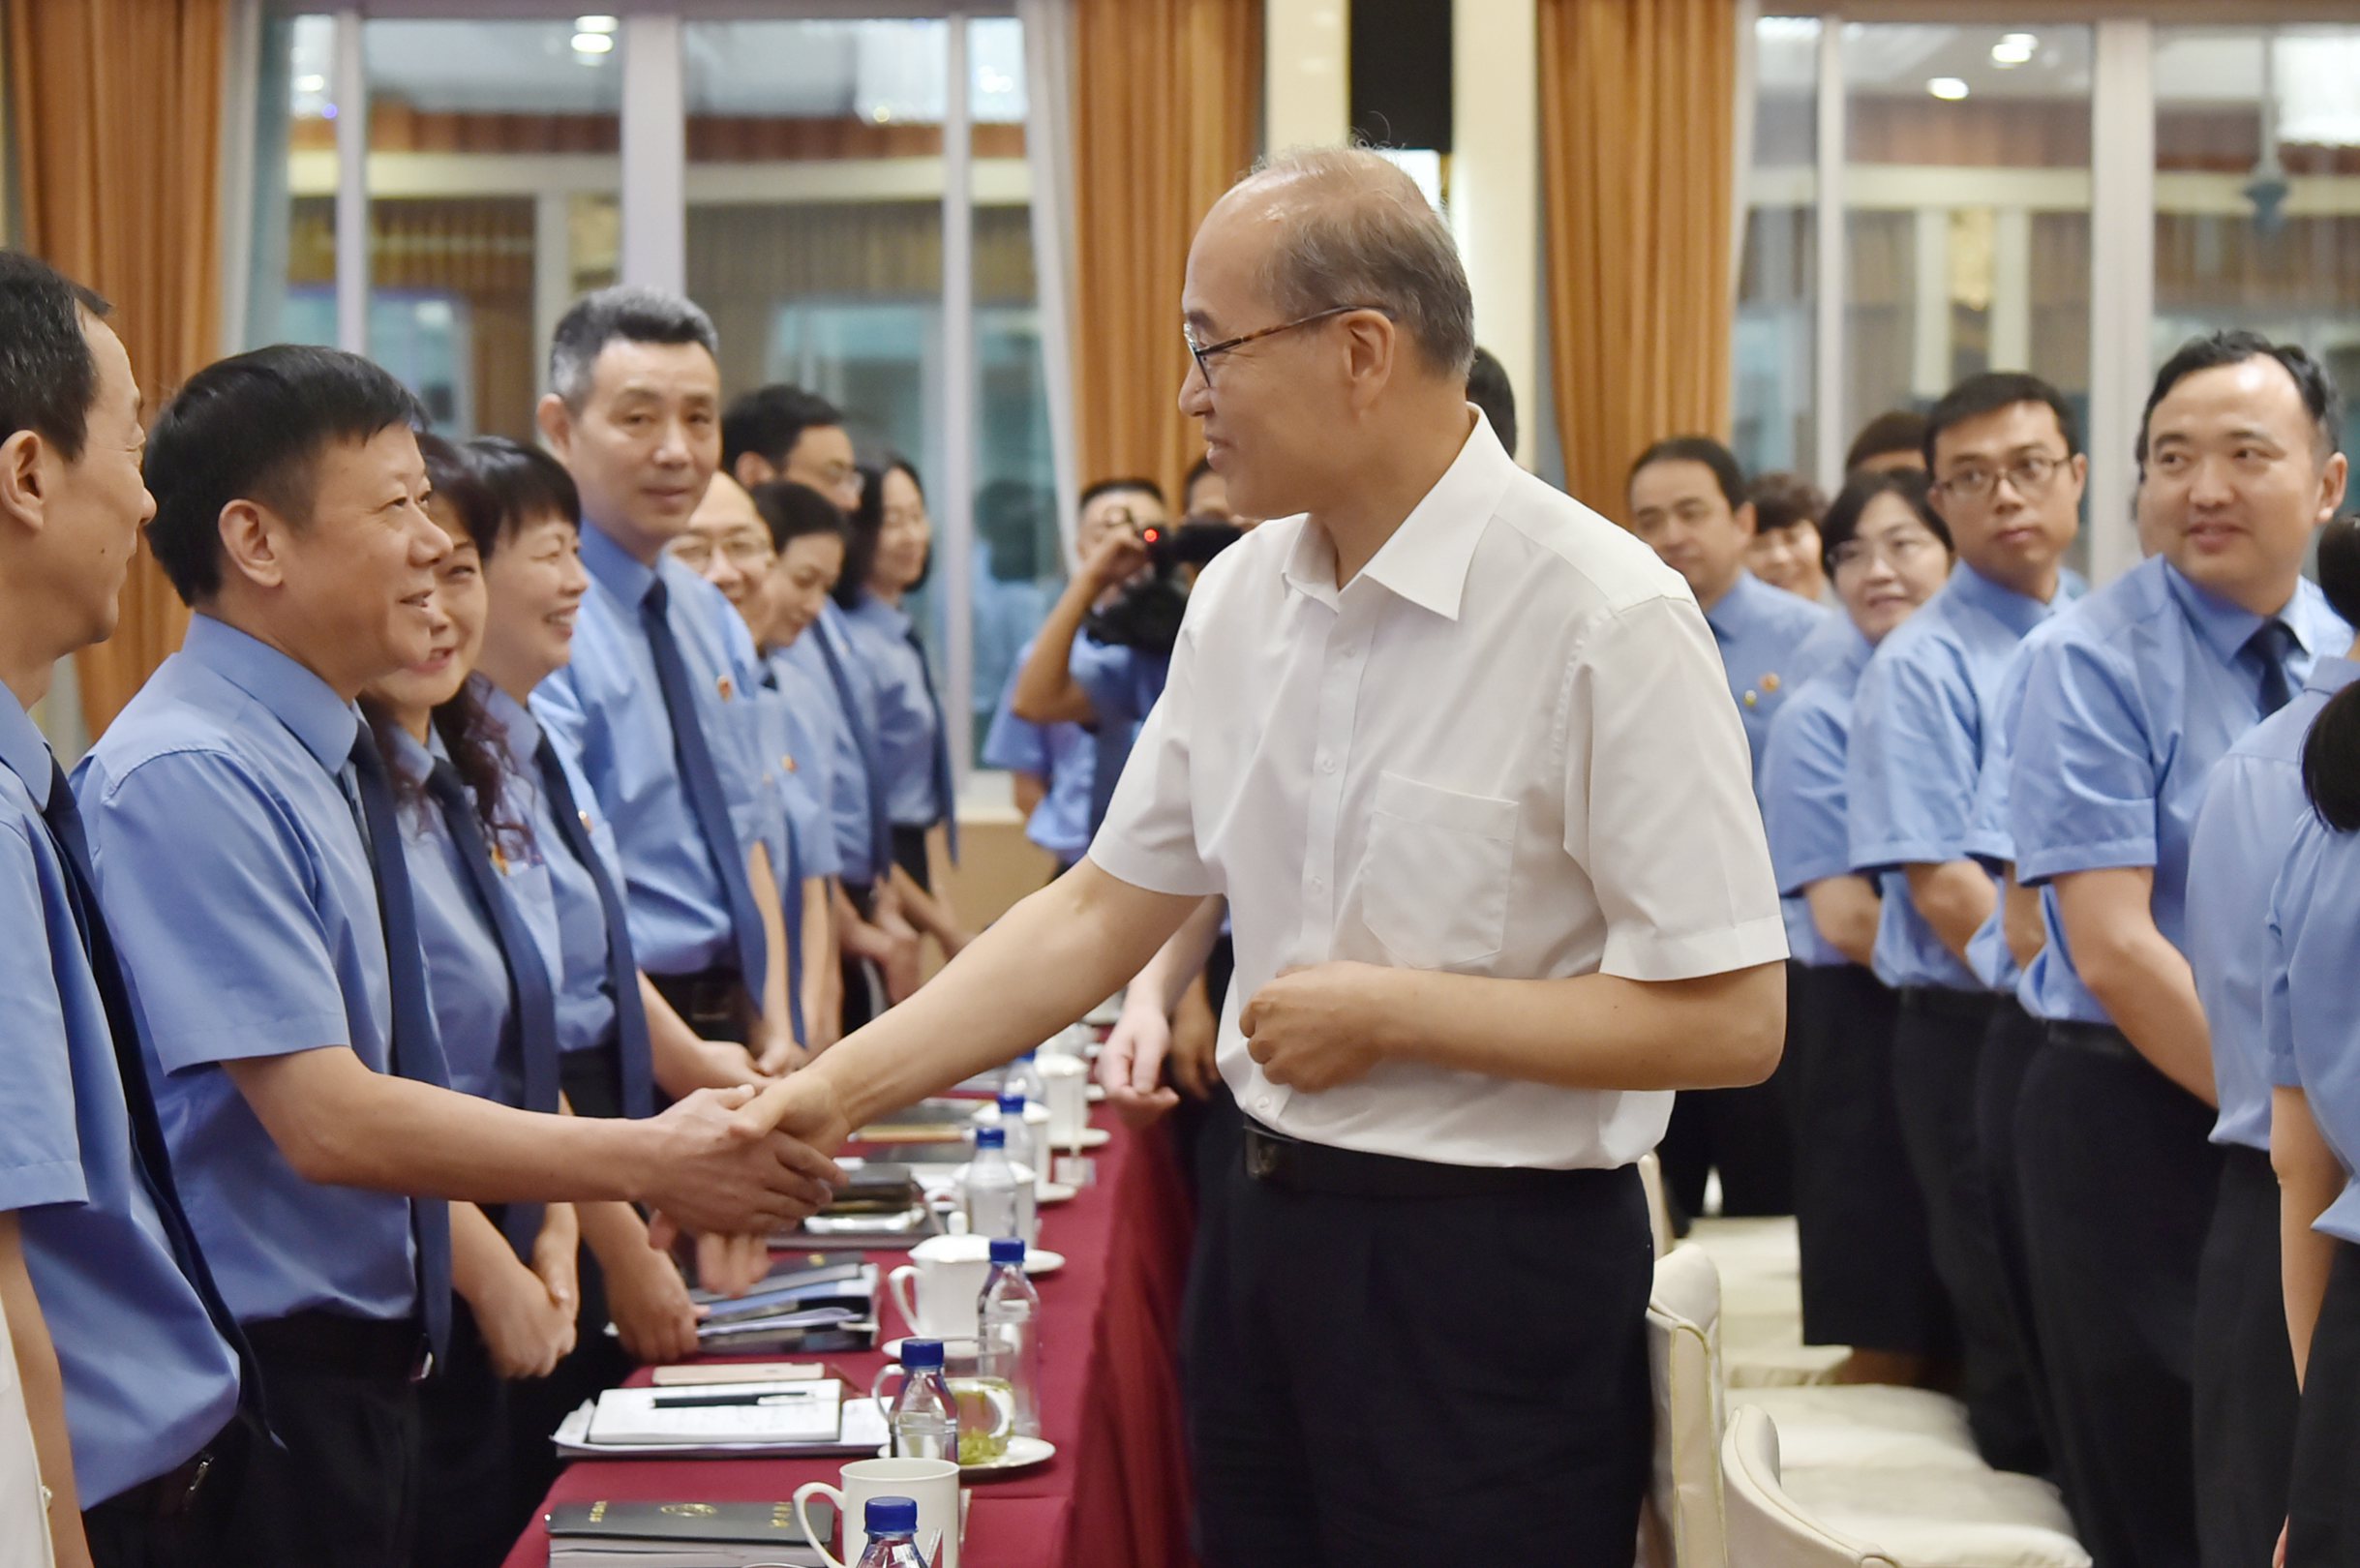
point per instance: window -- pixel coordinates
(1776, 413)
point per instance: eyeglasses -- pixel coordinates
(1204, 353)
(749, 553)
(2031, 474)
(1899, 550)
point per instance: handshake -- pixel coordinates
(742, 1162)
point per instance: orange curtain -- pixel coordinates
(1637, 100)
(1168, 108)
(118, 112)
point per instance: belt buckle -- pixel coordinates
(199, 1469)
(1265, 1154)
(425, 1366)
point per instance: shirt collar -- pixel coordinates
(408, 758)
(615, 568)
(1856, 649)
(24, 752)
(875, 611)
(2019, 612)
(2331, 674)
(2226, 627)
(1426, 559)
(322, 722)
(520, 733)
(1728, 615)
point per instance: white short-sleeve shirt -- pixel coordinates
(1505, 748)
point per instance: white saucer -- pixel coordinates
(1023, 1453)
(1092, 1138)
(1096, 1093)
(1049, 1193)
(1040, 1260)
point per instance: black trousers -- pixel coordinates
(2245, 1392)
(478, 1503)
(2323, 1499)
(712, 1001)
(2119, 1184)
(1740, 1132)
(167, 1523)
(1372, 1379)
(910, 853)
(1937, 1061)
(344, 1491)
(2013, 1039)
(1869, 1277)
(593, 1087)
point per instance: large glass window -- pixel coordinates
(292, 291)
(2257, 189)
(1967, 198)
(1776, 425)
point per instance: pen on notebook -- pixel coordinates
(702, 1401)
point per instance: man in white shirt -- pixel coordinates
(1460, 754)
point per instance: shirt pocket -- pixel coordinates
(1435, 875)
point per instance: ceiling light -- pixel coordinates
(1949, 89)
(311, 84)
(597, 24)
(2008, 55)
(593, 43)
(2026, 42)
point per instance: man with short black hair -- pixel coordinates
(2142, 690)
(782, 432)
(657, 704)
(1893, 439)
(96, 1259)
(2007, 473)
(1488, 388)
(246, 851)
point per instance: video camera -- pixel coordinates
(1147, 616)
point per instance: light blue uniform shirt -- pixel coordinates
(1061, 754)
(239, 890)
(1802, 796)
(2240, 844)
(803, 764)
(850, 737)
(606, 710)
(1123, 683)
(2312, 1028)
(907, 720)
(2126, 710)
(553, 891)
(1762, 632)
(1919, 721)
(467, 975)
(1988, 839)
(147, 1380)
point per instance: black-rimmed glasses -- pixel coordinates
(1204, 353)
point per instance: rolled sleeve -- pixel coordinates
(1659, 811)
(1019, 747)
(1914, 767)
(1803, 797)
(2091, 803)
(255, 975)
(1149, 838)
(1109, 674)
(41, 1160)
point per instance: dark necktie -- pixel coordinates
(151, 1158)
(415, 1051)
(945, 786)
(2271, 645)
(879, 823)
(703, 783)
(633, 1054)
(532, 1008)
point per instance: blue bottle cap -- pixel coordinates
(990, 1137)
(922, 1355)
(1012, 1105)
(891, 1516)
(1008, 1249)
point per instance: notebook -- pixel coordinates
(718, 1413)
(684, 1534)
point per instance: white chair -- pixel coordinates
(1761, 1264)
(1681, 1526)
(1766, 1528)
(1659, 1208)
(24, 1510)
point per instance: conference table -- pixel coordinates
(1116, 1493)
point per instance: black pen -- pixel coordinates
(708, 1401)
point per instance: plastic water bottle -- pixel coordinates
(1009, 1315)
(1018, 1131)
(1021, 1078)
(892, 1534)
(991, 1186)
(923, 1421)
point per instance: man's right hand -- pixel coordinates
(717, 1169)
(649, 1300)
(1119, 555)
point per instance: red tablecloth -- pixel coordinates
(1116, 1494)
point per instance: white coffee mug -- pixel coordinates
(1065, 1080)
(939, 1287)
(932, 1484)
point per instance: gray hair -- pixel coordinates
(633, 314)
(1355, 230)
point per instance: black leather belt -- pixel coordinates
(1947, 1002)
(1319, 1168)
(175, 1492)
(390, 1350)
(2097, 1039)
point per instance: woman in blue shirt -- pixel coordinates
(890, 552)
(2313, 1034)
(1869, 1279)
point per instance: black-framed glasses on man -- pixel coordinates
(2031, 474)
(1205, 353)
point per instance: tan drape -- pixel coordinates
(119, 125)
(1637, 99)
(1167, 105)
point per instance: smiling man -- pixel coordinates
(2141, 689)
(1457, 750)
(249, 865)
